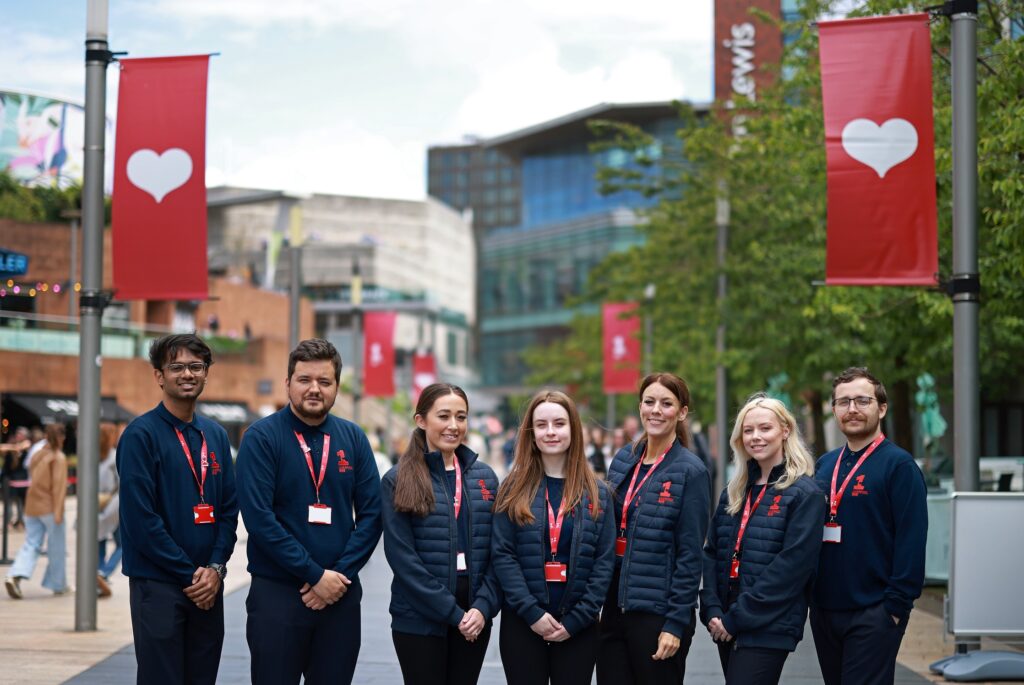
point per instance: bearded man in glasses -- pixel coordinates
(178, 517)
(871, 567)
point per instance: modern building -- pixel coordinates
(472, 176)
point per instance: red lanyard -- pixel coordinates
(200, 481)
(634, 489)
(317, 482)
(458, 487)
(554, 524)
(747, 511)
(836, 497)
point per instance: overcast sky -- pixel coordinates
(344, 96)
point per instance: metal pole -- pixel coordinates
(966, 283)
(610, 414)
(357, 335)
(649, 292)
(721, 374)
(294, 292)
(91, 303)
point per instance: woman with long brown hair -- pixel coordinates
(662, 502)
(553, 549)
(437, 539)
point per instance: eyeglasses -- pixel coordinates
(197, 368)
(843, 403)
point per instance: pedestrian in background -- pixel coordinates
(109, 510)
(44, 518)
(662, 505)
(309, 491)
(178, 514)
(871, 567)
(597, 451)
(554, 549)
(15, 471)
(762, 550)
(437, 538)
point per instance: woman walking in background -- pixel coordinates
(109, 508)
(44, 518)
(553, 549)
(437, 538)
(661, 511)
(763, 548)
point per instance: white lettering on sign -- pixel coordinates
(376, 356)
(69, 407)
(742, 46)
(619, 347)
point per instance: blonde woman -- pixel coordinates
(762, 549)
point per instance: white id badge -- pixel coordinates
(460, 561)
(832, 532)
(320, 514)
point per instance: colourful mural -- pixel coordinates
(41, 140)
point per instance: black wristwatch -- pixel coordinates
(221, 570)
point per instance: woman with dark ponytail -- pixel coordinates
(662, 503)
(437, 538)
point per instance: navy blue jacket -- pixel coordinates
(422, 549)
(885, 525)
(519, 553)
(159, 536)
(275, 491)
(661, 568)
(778, 558)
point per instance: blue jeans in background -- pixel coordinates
(38, 528)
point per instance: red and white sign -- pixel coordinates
(379, 354)
(424, 372)
(621, 348)
(159, 200)
(876, 82)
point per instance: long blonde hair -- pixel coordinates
(795, 456)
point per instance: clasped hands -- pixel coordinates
(550, 629)
(718, 631)
(204, 588)
(331, 587)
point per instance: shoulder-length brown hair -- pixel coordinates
(677, 386)
(414, 492)
(516, 494)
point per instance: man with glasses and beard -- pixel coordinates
(309, 491)
(871, 567)
(178, 517)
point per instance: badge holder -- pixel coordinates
(554, 572)
(833, 532)
(202, 514)
(620, 546)
(734, 568)
(320, 514)
(460, 561)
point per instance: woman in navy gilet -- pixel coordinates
(762, 551)
(553, 547)
(437, 538)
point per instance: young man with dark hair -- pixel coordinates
(177, 520)
(871, 567)
(309, 491)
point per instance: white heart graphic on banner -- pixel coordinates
(880, 147)
(157, 174)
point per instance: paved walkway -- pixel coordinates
(38, 644)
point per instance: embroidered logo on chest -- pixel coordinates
(665, 496)
(858, 486)
(774, 508)
(214, 464)
(343, 464)
(484, 491)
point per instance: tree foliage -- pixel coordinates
(778, 317)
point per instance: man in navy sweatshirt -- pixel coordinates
(871, 567)
(178, 517)
(310, 496)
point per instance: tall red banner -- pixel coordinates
(159, 201)
(621, 348)
(876, 84)
(424, 372)
(379, 354)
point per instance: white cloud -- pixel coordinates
(42, 63)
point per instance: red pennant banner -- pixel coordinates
(159, 201)
(379, 354)
(621, 348)
(424, 372)
(876, 84)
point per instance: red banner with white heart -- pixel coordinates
(621, 347)
(379, 354)
(159, 199)
(876, 86)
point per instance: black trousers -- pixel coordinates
(288, 641)
(447, 659)
(628, 639)
(751, 665)
(857, 647)
(528, 659)
(175, 641)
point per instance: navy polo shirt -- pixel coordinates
(159, 536)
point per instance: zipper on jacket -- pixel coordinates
(574, 553)
(632, 528)
(453, 533)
